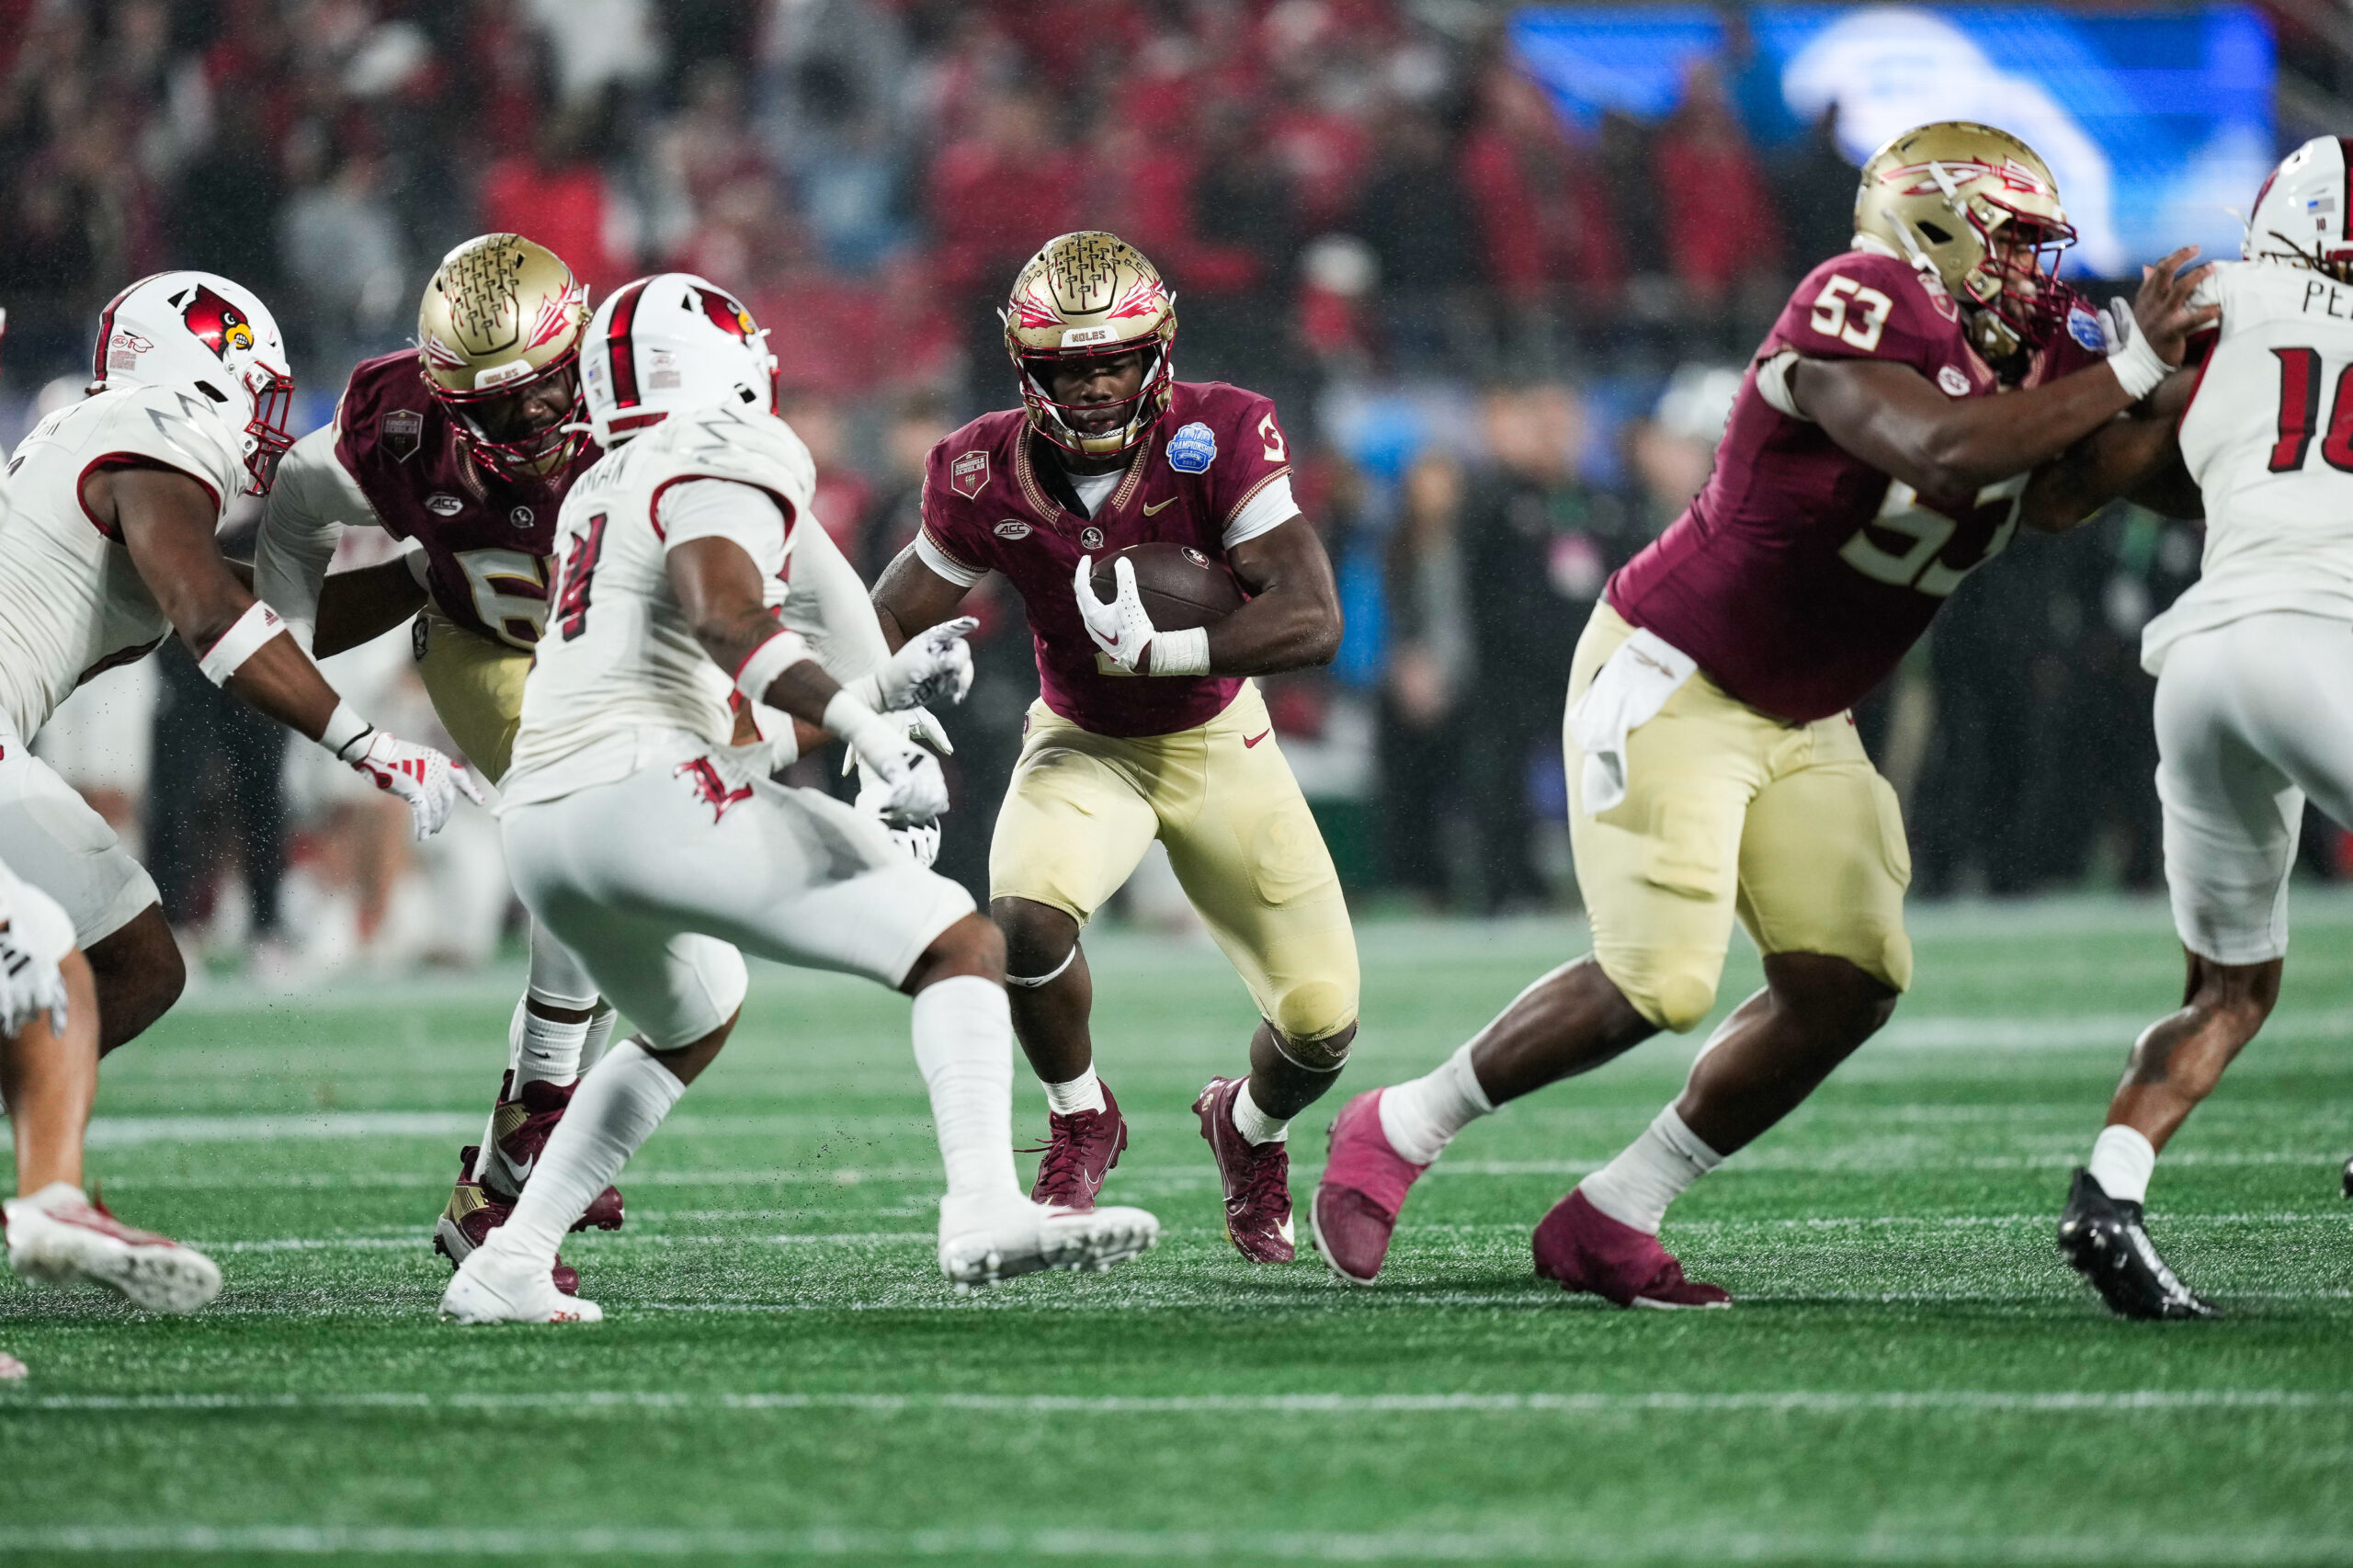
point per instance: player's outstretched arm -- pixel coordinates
(911, 598)
(165, 519)
(358, 607)
(1292, 620)
(1892, 417)
(2136, 455)
(720, 594)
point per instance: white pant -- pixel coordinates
(40, 929)
(656, 879)
(2252, 718)
(51, 838)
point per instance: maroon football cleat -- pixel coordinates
(1587, 1250)
(474, 1213)
(523, 1126)
(1353, 1211)
(1080, 1149)
(1257, 1178)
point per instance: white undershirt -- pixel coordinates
(1094, 489)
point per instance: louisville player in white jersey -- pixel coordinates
(2254, 665)
(54, 1231)
(656, 849)
(109, 548)
(462, 448)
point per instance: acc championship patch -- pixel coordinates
(2084, 328)
(403, 431)
(967, 474)
(1192, 449)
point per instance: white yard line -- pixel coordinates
(976, 1540)
(1805, 1401)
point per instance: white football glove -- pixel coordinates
(931, 665)
(904, 786)
(429, 781)
(1122, 628)
(28, 989)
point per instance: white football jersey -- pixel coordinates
(71, 602)
(2268, 438)
(618, 670)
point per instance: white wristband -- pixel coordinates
(770, 659)
(344, 729)
(1181, 652)
(241, 641)
(2138, 369)
(851, 720)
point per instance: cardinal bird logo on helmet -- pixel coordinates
(725, 313)
(219, 325)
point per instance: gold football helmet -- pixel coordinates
(500, 317)
(1087, 296)
(1978, 208)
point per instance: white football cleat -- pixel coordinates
(59, 1236)
(490, 1287)
(980, 1245)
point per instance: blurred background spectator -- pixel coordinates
(1504, 327)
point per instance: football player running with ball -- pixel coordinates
(2255, 673)
(656, 849)
(1144, 732)
(464, 448)
(1876, 456)
(108, 548)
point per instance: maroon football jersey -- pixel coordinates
(1802, 575)
(486, 540)
(988, 507)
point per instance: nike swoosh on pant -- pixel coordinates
(1250, 740)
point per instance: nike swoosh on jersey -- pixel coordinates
(1250, 740)
(1152, 510)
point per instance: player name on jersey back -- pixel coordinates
(2268, 438)
(989, 506)
(1801, 574)
(70, 601)
(618, 661)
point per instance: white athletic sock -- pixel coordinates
(599, 1035)
(963, 1034)
(616, 1110)
(1420, 1118)
(1653, 1172)
(544, 1050)
(2122, 1160)
(1254, 1125)
(1080, 1094)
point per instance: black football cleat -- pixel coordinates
(2349, 1179)
(2103, 1240)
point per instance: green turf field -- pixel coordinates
(1910, 1376)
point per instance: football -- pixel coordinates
(1181, 586)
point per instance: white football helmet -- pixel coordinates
(668, 343)
(2300, 215)
(201, 333)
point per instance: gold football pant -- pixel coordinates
(1083, 808)
(1728, 811)
(476, 685)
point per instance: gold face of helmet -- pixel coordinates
(1978, 208)
(1084, 296)
(500, 317)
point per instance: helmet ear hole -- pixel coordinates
(1935, 236)
(215, 393)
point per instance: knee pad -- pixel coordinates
(1675, 991)
(1310, 1025)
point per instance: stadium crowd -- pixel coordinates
(1505, 348)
